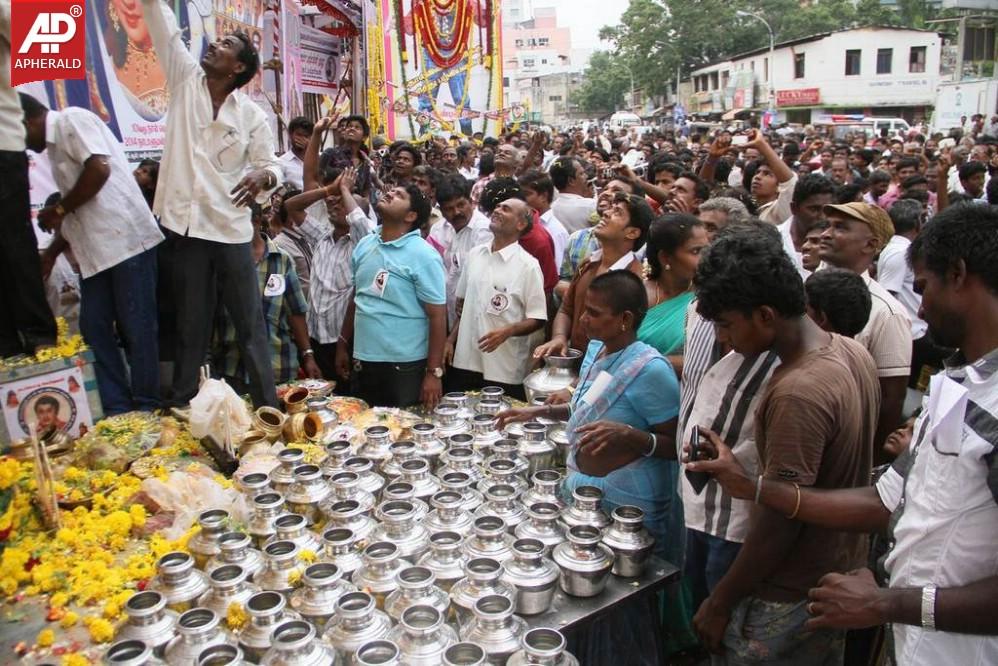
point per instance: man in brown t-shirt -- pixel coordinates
(621, 232)
(814, 427)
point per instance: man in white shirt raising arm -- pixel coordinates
(939, 499)
(217, 159)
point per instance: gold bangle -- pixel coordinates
(796, 508)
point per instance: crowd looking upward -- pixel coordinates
(785, 300)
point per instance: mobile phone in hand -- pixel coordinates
(697, 479)
(739, 140)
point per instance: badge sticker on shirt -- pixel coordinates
(380, 282)
(275, 285)
(499, 303)
(596, 389)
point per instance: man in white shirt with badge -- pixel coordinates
(105, 219)
(501, 308)
(462, 228)
(218, 158)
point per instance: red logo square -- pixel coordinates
(48, 40)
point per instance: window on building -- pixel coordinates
(916, 60)
(519, 43)
(544, 61)
(979, 44)
(531, 42)
(714, 80)
(798, 65)
(554, 98)
(528, 62)
(852, 62)
(884, 57)
(752, 65)
(505, 82)
(725, 77)
(543, 41)
(765, 69)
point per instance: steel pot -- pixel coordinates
(282, 567)
(532, 575)
(502, 473)
(307, 492)
(349, 514)
(197, 630)
(542, 525)
(400, 491)
(347, 486)
(340, 548)
(130, 653)
(496, 628)
(381, 561)
(322, 586)
(267, 508)
(584, 562)
(509, 449)
(558, 435)
(356, 621)
(282, 476)
(227, 585)
(543, 647)
(535, 447)
(399, 526)
(448, 421)
(295, 643)
(630, 542)
(266, 611)
(204, 545)
(445, 559)
(482, 578)
(337, 454)
(294, 527)
(178, 581)
(254, 484)
(416, 587)
(465, 654)
(490, 406)
(304, 426)
(370, 480)
(222, 654)
(377, 444)
(378, 653)
(400, 452)
(295, 400)
(428, 445)
(462, 483)
(461, 402)
(270, 421)
(147, 619)
(461, 458)
(416, 472)
(448, 514)
(585, 509)
(558, 373)
(422, 635)
(544, 489)
(500, 502)
(235, 548)
(490, 538)
(483, 429)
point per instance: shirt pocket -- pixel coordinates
(226, 148)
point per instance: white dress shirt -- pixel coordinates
(456, 246)
(114, 225)
(573, 211)
(897, 277)
(11, 128)
(331, 281)
(558, 234)
(292, 167)
(499, 289)
(943, 496)
(791, 250)
(204, 157)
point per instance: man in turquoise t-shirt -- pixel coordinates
(398, 318)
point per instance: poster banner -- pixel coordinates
(291, 59)
(443, 66)
(321, 67)
(57, 399)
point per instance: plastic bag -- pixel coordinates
(218, 412)
(188, 493)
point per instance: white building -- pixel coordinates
(881, 71)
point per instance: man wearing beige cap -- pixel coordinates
(856, 233)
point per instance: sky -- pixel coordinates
(585, 18)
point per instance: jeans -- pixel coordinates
(771, 632)
(122, 299)
(455, 84)
(25, 318)
(708, 558)
(206, 269)
(389, 384)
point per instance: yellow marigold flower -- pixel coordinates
(74, 659)
(236, 617)
(294, 577)
(101, 631)
(112, 610)
(46, 637)
(11, 471)
(69, 620)
(58, 600)
(307, 556)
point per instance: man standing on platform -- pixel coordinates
(217, 159)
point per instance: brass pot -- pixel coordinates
(303, 426)
(255, 442)
(269, 421)
(295, 400)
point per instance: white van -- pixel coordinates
(624, 120)
(894, 126)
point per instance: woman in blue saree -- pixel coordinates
(622, 424)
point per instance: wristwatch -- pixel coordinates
(436, 372)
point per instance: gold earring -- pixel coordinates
(668, 267)
(112, 14)
(623, 327)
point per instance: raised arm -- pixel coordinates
(174, 58)
(310, 166)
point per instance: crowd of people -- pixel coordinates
(759, 315)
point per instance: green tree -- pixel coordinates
(605, 82)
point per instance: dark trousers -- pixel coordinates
(325, 358)
(708, 558)
(389, 384)
(25, 318)
(122, 300)
(207, 270)
(458, 379)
